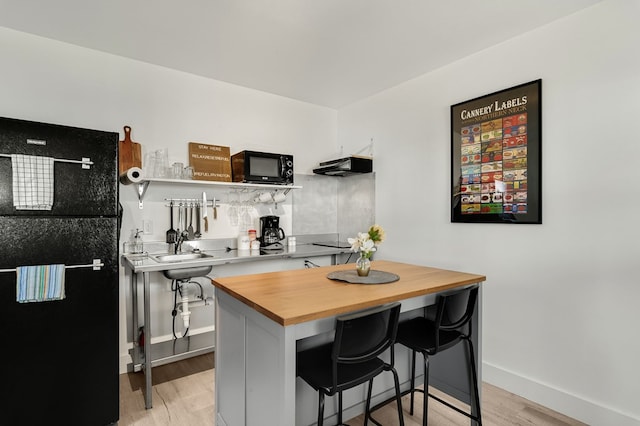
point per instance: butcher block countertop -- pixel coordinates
(296, 296)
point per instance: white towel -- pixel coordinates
(39, 283)
(32, 182)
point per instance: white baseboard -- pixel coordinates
(125, 358)
(574, 406)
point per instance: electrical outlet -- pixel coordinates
(147, 227)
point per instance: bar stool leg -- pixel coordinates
(413, 380)
(339, 408)
(425, 400)
(320, 408)
(367, 407)
(398, 399)
(475, 410)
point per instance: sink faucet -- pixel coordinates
(179, 241)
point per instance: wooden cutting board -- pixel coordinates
(130, 153)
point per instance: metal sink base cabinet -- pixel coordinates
(144, 358)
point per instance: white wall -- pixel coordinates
(49, 81)
(561, 299)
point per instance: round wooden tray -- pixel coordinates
(374, 277)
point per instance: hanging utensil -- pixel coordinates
(190, 229)
(204, 211)
(180, 218)
(198, 234)
(172, 235)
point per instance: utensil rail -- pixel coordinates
(186, 202)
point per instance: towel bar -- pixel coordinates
(96, 265)
(86, 162)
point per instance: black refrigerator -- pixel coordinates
(61, 356)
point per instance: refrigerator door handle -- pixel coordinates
(96, 265)
(86, 161)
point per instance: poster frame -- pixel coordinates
(513, 185)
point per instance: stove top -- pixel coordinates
(336, 244)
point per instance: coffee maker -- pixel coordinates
(270, 233)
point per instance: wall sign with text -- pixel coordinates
(496, 158)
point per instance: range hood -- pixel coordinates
(345, 166)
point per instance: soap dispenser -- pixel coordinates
(138, 246)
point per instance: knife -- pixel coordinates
(204, 211)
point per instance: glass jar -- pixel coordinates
(176, 172)
(363, 265)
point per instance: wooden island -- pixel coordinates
(262, 320)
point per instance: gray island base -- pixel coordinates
(262, 320)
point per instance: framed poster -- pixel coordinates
(496, 161)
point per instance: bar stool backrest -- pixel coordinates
(364, 335)
(454, 311)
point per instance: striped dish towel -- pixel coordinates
(40, 283)
(32, 182)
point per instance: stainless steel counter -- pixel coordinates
(141, 265)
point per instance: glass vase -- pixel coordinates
(363, 265)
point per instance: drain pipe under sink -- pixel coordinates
(185, 304)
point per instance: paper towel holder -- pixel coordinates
(142, 188)
(133, 175)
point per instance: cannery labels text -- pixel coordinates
(493, 107)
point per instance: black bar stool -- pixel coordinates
(352, 358)
(451, 326)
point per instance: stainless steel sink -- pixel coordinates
(186, 273)
(178, 273)
(181, 257)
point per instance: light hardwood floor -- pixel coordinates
(183, 395)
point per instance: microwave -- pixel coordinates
(262, 167)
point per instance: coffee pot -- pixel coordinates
(270, 230)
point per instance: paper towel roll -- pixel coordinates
(133, 175)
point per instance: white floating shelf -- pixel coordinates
(223, 184)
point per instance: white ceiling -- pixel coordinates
(327, 52)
